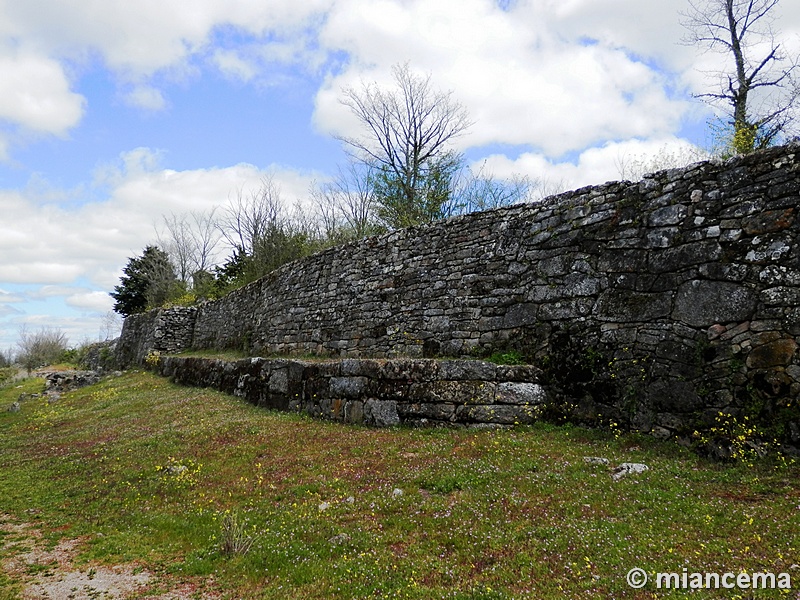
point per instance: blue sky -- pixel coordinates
(117, 113)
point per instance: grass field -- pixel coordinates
(195, 486)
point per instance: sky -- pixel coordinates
(117, 113)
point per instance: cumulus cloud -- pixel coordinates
(90, 301)
(146, 97)
(6, 310)
(36, 98)
(610, 162)
(233, 65)
(521, 79)
(50, 246)
(141, 38)
(53, 244)
(135, 40)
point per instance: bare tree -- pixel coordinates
(206, 238)
(346, 205)
(262, 233)
(111, 325)
(545, 187)
(189, 240)
(247, 219)
(408, 133)
(41, 347)
(477, 189)
(759, 93)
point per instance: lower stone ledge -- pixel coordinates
(443, 393)
(377, 393)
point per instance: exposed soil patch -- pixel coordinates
(50, 573)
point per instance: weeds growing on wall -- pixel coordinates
(510, 357)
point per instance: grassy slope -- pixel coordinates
(483, 514)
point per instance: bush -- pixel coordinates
(6, 373)
(40, 348)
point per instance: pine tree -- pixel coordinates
(148, 281)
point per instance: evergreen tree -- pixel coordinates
(148, 281)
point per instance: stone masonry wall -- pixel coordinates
(657, 304)
(164, 330)
(374, 392)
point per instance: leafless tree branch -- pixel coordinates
(759, 93)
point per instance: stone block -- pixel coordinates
(773, 354)
(354, 411)
(456, 392)
(668, 215)
(679, 257)
(781, 296)
(527, 373)
(279, 381)
(409, 370)
(672, 396)
(381, 413)
(628, 306)
(426, 410)
(579, 284)
(571, 308)
(520, 315)
(348, 387)
(769, 221)
(703, 303)
(359, 367)
(458, 370)
(500, 414)
(528, 394)
(622, 261)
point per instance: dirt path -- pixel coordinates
(50, 573)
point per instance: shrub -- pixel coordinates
(40, 348)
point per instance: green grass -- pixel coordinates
(151, 473)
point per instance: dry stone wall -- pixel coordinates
(374, 392)
(657, 304)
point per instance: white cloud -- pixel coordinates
(9, 297)
(146, 97)
(140, 38)
(6, 310)
(522, 81)
(54, 291)
(54, 244)
(135, 40)
(78, 297)
(596, 165)
(60, 248)
(36, 94)
(233, 65)
(651, 30)
(91, 301)
(36, 270)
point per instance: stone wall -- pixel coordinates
(164, 330)
(374, 392)
(656, 304)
